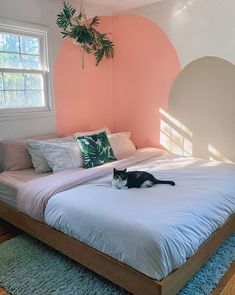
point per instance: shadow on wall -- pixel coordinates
(200, 119)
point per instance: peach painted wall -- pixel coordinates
(123, 94)
(144, 69)
(83, 97)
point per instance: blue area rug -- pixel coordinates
(28, 267)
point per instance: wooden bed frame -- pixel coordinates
(113, 270)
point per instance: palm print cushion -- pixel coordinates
(96, 149)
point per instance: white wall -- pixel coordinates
(197, 28)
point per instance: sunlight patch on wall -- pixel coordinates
(174, 136)
(176, 122)
(216, 155)
(184, 7)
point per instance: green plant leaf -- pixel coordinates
(65, 17)
(85, 33)
(95, 21)
(68, 10)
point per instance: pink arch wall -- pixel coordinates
(83, 97)
(125, 93)
(144, 69)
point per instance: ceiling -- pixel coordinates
(113, 6)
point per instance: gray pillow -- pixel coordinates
(39, 161)
(62, 155)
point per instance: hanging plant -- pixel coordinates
(84, 32)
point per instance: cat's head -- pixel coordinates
(119, 174)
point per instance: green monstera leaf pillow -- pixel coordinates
(96, 149)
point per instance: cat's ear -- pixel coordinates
(125, 170)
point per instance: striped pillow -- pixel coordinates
(62, 155)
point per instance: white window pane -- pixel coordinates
(2, 40)
(33, 82)
(2, 104)
(29, 45)
(1, 82)
(9, 42)
(20, 55)
(15, 99)
(13, 81)
(10, 60)
(30, 62)
(15, 61)
(34, 98)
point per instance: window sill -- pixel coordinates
(11, 116)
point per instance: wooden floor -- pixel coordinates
(226, 285)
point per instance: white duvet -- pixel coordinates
(153, 230)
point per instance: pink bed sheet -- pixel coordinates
(15, 179)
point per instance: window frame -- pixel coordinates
(40, 32)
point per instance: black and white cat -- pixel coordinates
(139, 179)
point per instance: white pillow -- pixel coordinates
(62, 155)
(76, 134)
(40, 163)
(121, 144)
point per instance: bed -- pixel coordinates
(148, 241)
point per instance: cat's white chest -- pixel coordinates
(119, 184)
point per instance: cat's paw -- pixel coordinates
(124, 187)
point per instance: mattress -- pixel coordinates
(153, 230)
(10, 182)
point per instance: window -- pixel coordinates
(24, 76)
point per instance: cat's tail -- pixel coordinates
(165, 182)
